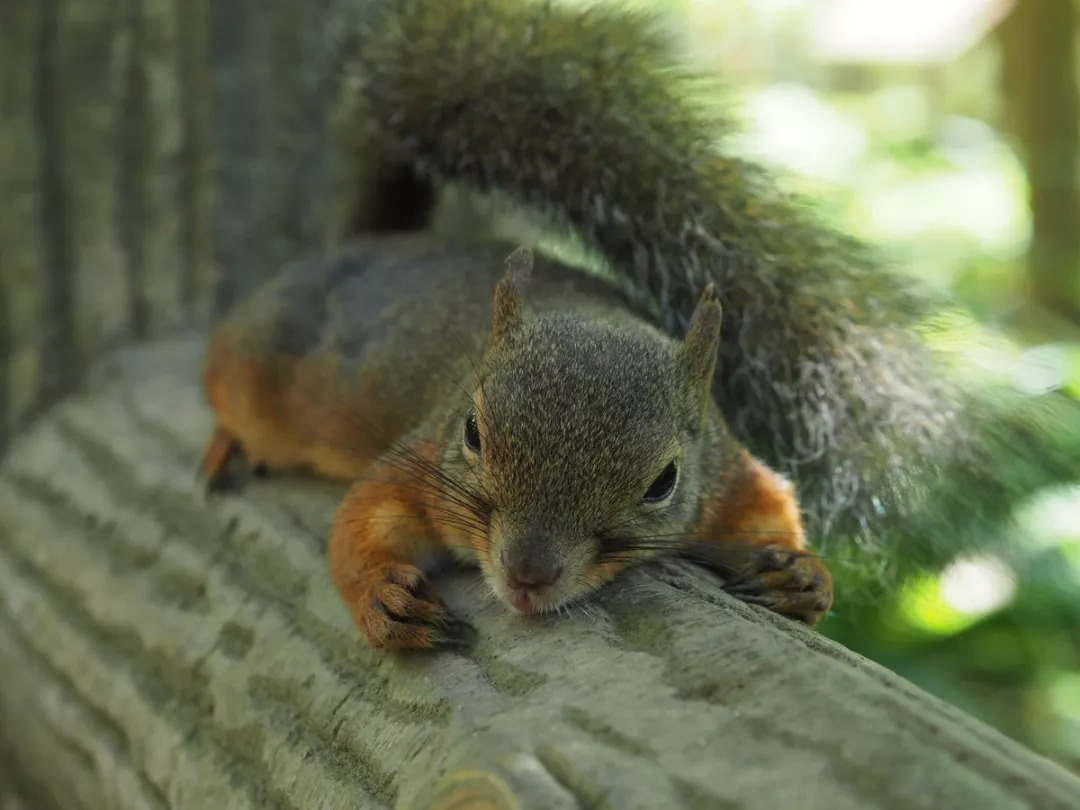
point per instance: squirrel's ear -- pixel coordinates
(699, 348)
(507, 310)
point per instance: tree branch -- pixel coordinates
(161, 650)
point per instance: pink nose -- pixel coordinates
(524, 576)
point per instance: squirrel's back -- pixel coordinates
(322, 365)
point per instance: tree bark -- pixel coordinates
(157, 159)
(162, 650)
(5, 365)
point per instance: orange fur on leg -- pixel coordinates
(758, 521)
(380, 530)
(760, 508)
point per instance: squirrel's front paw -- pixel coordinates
(396, 609)
(794, 584)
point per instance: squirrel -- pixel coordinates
(555, 428)
(529, 420)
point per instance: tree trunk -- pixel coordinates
(158, 649)
(5, 365)
(157, 159)
(1042, 109)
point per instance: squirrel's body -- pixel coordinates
(365, 367)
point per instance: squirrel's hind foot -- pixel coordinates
(223, 463)
(792, 583)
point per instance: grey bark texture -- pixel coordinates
(157, 159)
(162, 650)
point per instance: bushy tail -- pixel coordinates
(586, 116)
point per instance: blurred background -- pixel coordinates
(158, 158)
(947, 132)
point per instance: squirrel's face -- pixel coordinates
(586, 445)
(584, 440)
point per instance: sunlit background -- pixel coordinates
(946, 131)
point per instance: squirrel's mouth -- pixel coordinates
(522, 600)
(531, 593)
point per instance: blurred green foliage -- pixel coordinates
(914, 158)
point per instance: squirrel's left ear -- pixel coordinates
(506, 314)
(698, 355)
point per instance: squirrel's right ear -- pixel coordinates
(698, 355)
(506, 315)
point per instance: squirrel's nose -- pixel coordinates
(526, 574)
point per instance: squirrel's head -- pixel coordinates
(584, 438)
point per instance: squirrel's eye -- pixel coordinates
(472, 432)
(663, 486)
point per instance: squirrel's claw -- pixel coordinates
(224, 464)
(216, 467)
(794, 584)
(455, 634)
(220, 483)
